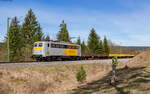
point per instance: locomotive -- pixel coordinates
(50, 50)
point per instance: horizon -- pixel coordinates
(123, 22)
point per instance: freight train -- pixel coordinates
(58, 50)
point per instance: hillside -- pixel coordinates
(57, 79)
(134, 79)
(141, 59)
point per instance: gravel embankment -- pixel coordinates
(16, 65)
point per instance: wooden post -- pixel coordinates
(114, 64)
(113, 79)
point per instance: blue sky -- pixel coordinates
(124, 22)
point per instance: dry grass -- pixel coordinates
(61, 79)
(140, 59)
(132, 80)
(58, 79)
(135, 80)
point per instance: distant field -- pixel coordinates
(136, 48)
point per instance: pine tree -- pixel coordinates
(83, 48)
(81, 74)
(38, 35)
(14, 40)
(63, 34)
(31, 30)
(106, 46)
(101, 47)
(79, 41)
(93, 42)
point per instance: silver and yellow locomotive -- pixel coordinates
(49, 50)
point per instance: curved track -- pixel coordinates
(29, 64)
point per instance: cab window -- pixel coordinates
(40, 44)
(35, 44)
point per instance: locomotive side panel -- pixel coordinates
(61, 49)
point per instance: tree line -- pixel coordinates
(22, 37)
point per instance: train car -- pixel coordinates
(106, 56)
(121, 55)
(49, 50)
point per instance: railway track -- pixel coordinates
(30, 64)
(89, 58)
(17, 62)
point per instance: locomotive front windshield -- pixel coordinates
(35, 44)
(38, 44)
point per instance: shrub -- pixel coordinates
(81, 74)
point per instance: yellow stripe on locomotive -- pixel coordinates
(37, 48)
(70, 52)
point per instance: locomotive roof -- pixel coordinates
(56, 41)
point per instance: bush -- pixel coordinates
(81, 74)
